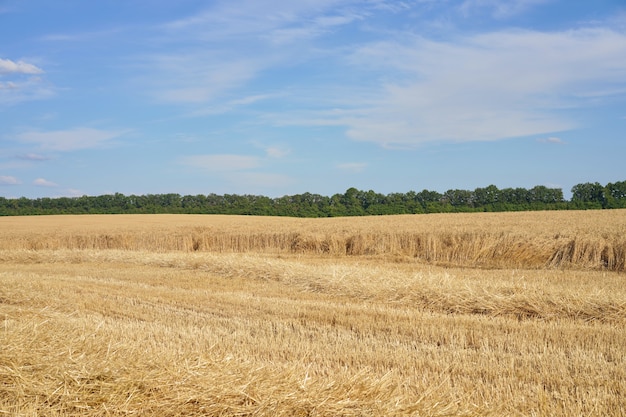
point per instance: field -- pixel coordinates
(516, 314)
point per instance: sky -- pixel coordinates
(270, 97)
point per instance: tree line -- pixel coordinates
(353, 202)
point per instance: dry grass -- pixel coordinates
(118, 330)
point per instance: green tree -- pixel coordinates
(459, 198)
(486, 197)
(352, 202)
(429, 200)
(515, 198)
(615, 194)
(588, 195)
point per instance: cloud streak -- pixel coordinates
(9, 180)
(553, 140)
(485, 87)
(221, 162)
(20, 67)
(199, 78)
(352, 167)
(413, 90)
(229, 45)
(499, 9)
(42, 182)
(68, 140)
(32, 157)
(25, 82)
(259, 180)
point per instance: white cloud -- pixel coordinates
(9, 180)
(239, 171)
(247, 100)
(199, 78)
(42, 182)
(310, 28)
(20, 67)
(89, 36)
(72, 192)
(277, 151)
(231, 44)
(231, 105)
(485, 87)
(33, 157)
(259, 180)
(552, 139)
(353, 167)
(500, 9)
(221, 162)
(31, 88)
(228, 19)
(9, 85)
(69, 140)
(25, 83)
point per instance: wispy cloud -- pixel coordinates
(259, 180)
(553, 140)
(9, 85)
(42, 182)
(89, 36)
(231, 105)
(499, 9)
(485, 87)
(198, 77)
(238, 171)
(221, 162)
(20, 67)
(411, 89)
(24, 83)
(73, 192)
(33, 157)
(227, 19)
(229, 45)
(352, 167)
(277, 151)
(26, 89)
(69, 140)
(311, 28)
(9, 180)
(32, 89)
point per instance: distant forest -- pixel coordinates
(351, 203)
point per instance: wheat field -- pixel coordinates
(504, 314)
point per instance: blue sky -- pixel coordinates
(278, 98)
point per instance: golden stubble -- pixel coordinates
(173, 332)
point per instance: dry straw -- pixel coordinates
(518, 314)
(119, 333)
(583, 239)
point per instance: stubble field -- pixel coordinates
(188, 315)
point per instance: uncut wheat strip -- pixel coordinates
(569, 223)
(471, 242)
(608, 253)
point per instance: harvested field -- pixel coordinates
(174, 315)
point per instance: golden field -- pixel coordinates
(516, 314)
